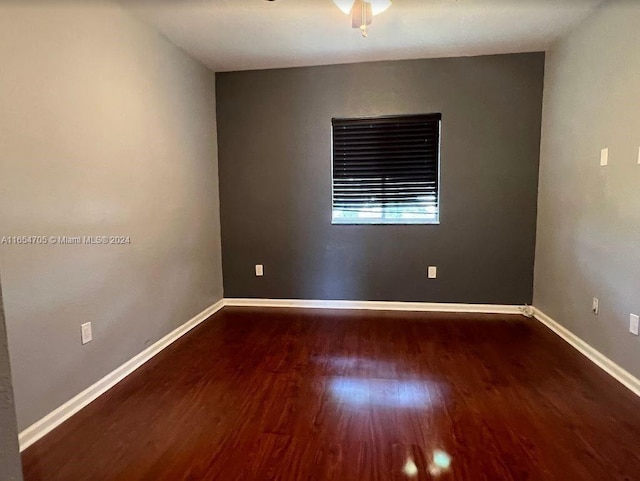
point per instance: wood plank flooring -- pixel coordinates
(273, 394)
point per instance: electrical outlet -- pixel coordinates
(432, 272)
(85, 333)
(259, 270)
(595, 307)
(634, 321)
(604, 157)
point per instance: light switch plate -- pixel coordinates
(259, 270)
(85, 333)
(634, 321)
(604, 157)
(432, 272)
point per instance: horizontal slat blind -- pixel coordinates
(388, 163)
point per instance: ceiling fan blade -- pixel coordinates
(379, 6)
(361, 14)
(345, 5)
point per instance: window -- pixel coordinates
(386, 170)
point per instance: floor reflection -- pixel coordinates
(383, 392)
(440, 464)
(410, 468)
(344, 364)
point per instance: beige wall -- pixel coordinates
(589, 216)
(105, 129)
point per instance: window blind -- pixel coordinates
(386, 168)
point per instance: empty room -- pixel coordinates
(319, 240)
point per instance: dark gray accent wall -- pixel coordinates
(274, 141)
(10, 467)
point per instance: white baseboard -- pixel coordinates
(37, 430)
(624, 377)
(379, 305)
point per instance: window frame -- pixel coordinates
(382, 221)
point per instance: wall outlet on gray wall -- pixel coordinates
(432, 272)
(634, 322)
(595, 306)
(259, 270)
(85, 333)
(604, 157)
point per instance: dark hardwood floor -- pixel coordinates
(277, 394)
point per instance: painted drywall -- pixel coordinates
(107, 130)
(10, 466)
(588, 215)
(274, 134)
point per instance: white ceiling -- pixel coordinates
(257, 34)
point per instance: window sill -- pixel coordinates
(384, 222)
